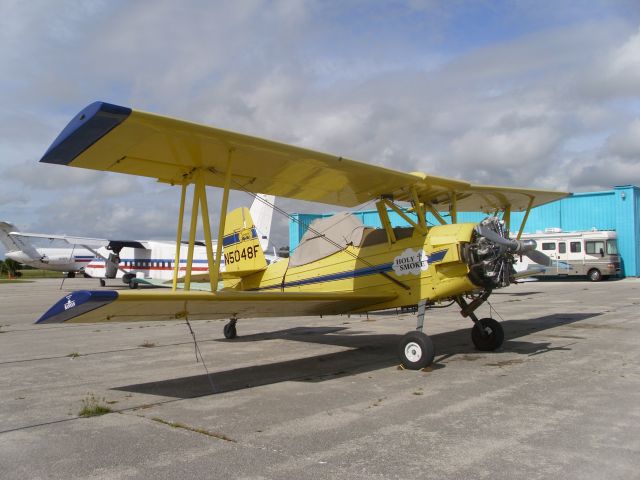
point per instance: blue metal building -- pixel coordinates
(617, 209)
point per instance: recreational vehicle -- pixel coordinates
(592, 253)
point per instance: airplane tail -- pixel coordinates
(243, 254)
(262, 213)
(14, 243)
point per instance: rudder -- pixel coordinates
(243, 254)
(16, 244)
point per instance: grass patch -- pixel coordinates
(14, 280)
(35, 273)
(92, 407)
(202, 431)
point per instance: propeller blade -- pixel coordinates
(495, 237)
(546, 261)
(540, 258)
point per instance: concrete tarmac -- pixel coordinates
(324, 398)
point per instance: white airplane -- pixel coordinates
(136, 261)
(69, 260)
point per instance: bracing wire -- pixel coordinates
(198, 352)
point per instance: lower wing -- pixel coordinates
(87, 306)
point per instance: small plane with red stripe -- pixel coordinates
(136, 262)
(67, 260)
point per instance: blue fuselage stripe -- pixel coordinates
(361, 272)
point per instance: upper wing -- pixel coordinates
(485, 198)
(86, 306)
(118, 139)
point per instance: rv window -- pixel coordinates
(562, 247)
(549, 246)
(612, 247)
(575, 247)
(593, 247)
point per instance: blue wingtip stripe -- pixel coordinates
(86, 128)
(77, 303)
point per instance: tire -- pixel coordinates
(230, 331)
(71, 274)
(416, 350)
(133, 285)
(103, 283)
(594, 275)
(494, 338)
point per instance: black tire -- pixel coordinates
(133, 285)
(594, 275)
(126, 278)
(230, 331)
(103, 283)
(416, 350)
(71, 274)
(493, 338)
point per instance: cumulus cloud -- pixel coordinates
(609, 170)
(540, 97)
(626, 142)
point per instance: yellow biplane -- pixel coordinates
(340, 266)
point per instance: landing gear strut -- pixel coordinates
(487, 334)
(416, 348)
(230, 329)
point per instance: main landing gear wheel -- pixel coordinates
(416, 350)
(230, 330)
(102, 283)
(492, 337)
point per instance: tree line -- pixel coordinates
(9, 267)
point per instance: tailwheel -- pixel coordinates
(487, 334)
(230, 329)
(416, 350)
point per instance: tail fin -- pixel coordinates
(14, 243)
(242, 252)
(262, 214)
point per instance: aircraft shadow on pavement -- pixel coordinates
(367, 352)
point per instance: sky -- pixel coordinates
(529, 93)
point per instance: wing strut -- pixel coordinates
(526, 216)
(453, 208)
(192, 236)
(418, 226)
(176, 265)
(223, 218)
(214, 265)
